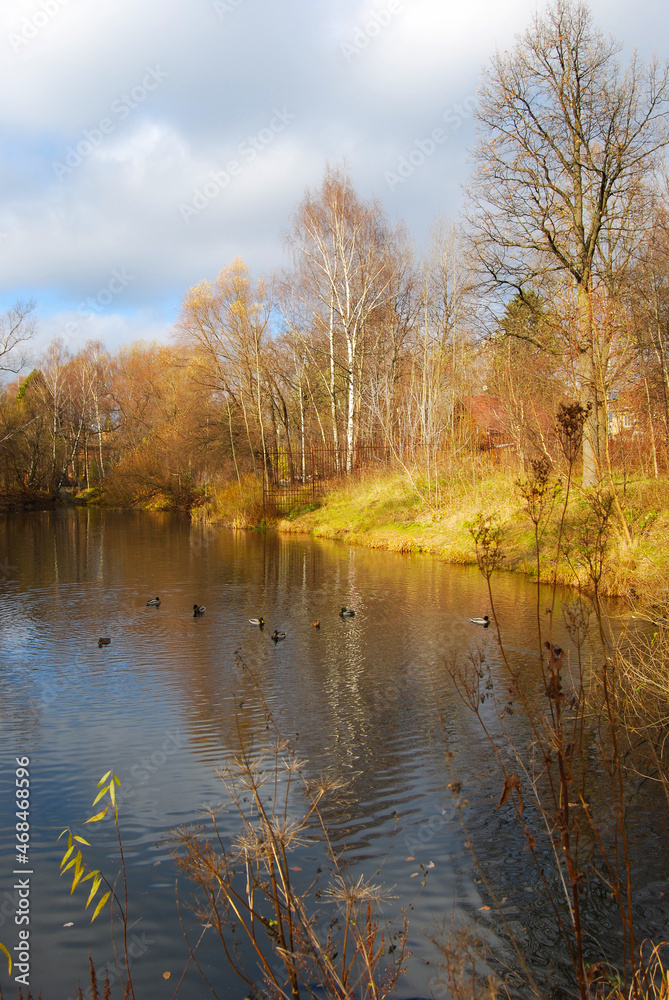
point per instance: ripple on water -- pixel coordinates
(171, 699)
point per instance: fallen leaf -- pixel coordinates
(430, 864)
(166, 975)
(409, 859)
(295, 868)
(70, 924)
(413, 874)
(484, 907)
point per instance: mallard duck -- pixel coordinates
(153, 603)
(257, 621)
(278, 635)
(198, 609)
(485, 621)
(346, 613)
(103, 641)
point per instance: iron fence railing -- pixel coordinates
(295, 477)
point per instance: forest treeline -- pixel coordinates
(553, 287)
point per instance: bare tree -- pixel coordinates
(567, 143)
(17, 326)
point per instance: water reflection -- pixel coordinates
(171, 698)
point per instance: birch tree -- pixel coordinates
(342, 249)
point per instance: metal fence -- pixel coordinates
(293, 478)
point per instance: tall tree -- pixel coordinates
(228, 324)
(344, 254)
(567, 143)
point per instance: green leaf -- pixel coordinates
(103, 778)
(97, 817)
(112, 793)
(118, 781)
(66, 830)
(94, 889)
(82, 841)
(91, 874)
(100, 905)
(9, 957)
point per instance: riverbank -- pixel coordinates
(397, 512)
(392, 513)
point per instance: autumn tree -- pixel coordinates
(227, 324)
(649, 302)
(567, 145)
(528, 380)
(344, 255)
(163, 428)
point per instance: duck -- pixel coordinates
(153, 603)
(103, 641)
(257, 621)
(485, 621)
(198, 609)
(346, 613)
(278, 635)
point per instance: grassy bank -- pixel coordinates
(395, 513)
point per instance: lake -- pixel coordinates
(167, 701)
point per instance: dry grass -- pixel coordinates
(650, 983)
(393, 512)
(234, 504)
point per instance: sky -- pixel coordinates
(144, 144)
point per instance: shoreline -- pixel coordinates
(386, 514)
(396, 513)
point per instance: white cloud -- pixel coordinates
(222, 74)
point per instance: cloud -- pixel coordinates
(144, 103)
(77, 328)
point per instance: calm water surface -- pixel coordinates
(165, 702)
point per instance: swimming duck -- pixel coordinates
(153, 603)
(198, 609)
(346, 613)
(257, 621)
(485, 621)
(278, 635)
(103, 641)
